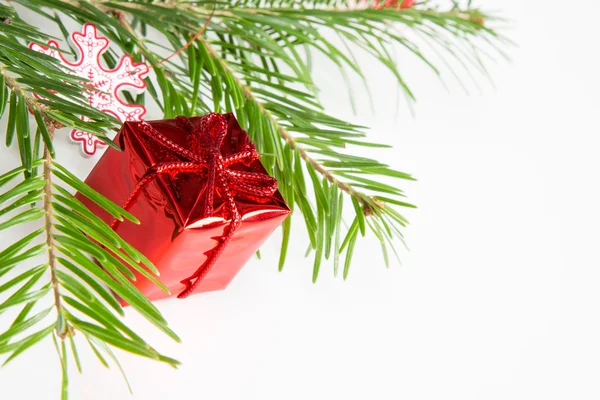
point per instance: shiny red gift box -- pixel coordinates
(175, 232)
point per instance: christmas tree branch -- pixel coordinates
(80, 287)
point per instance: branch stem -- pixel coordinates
(31, 102)
(15, 87)
(48, 226)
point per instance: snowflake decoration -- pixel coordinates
(106, 84)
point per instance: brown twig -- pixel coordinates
(192, 40)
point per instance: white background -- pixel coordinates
(499, 295)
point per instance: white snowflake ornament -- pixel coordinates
(108, 84)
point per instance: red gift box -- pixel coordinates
(176, 177)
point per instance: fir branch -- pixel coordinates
(81, 303)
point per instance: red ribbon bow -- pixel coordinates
(205, 159)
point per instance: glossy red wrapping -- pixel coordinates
(173, 232)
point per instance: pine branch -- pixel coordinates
(82, 304)
(50, 126)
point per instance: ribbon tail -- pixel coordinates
(151, 174)
(135, 193)
(192, 281)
